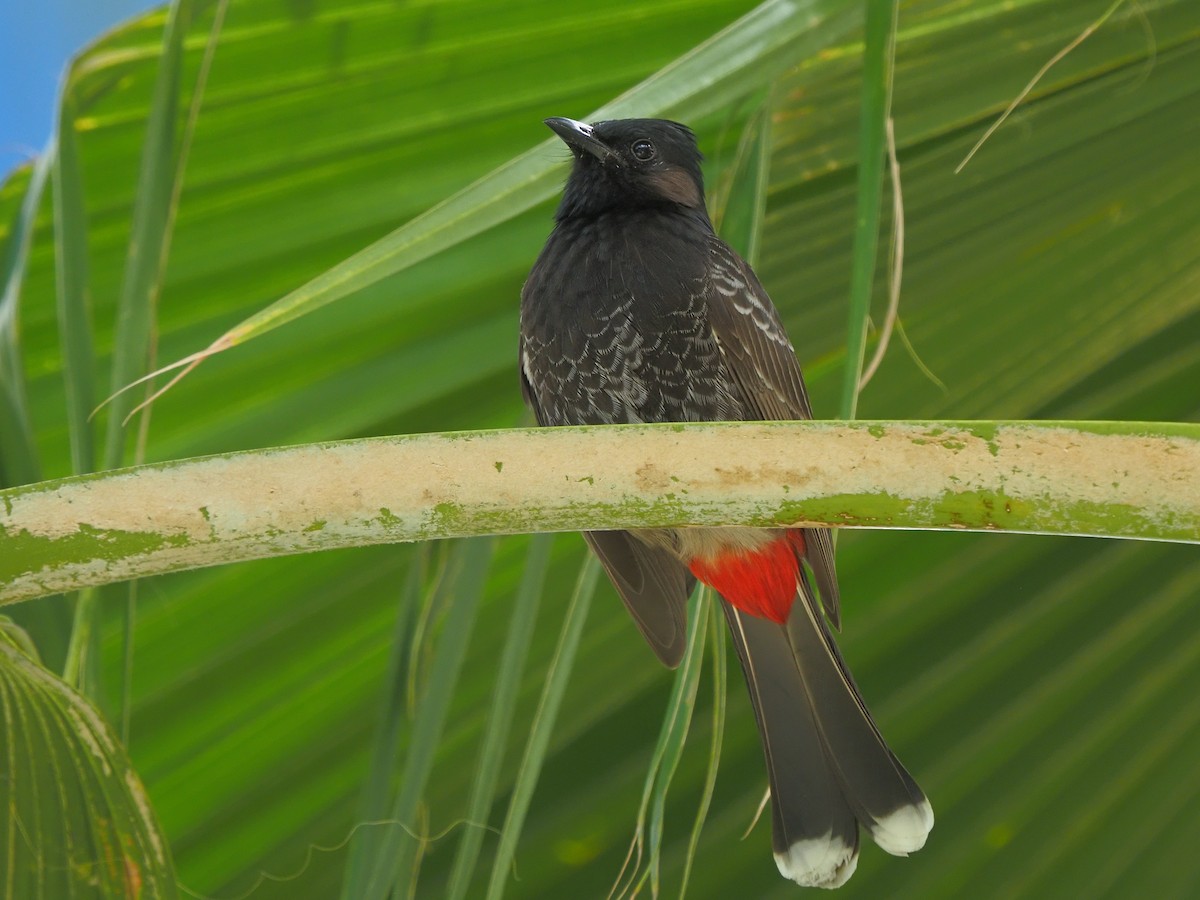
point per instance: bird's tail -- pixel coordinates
(827, 763)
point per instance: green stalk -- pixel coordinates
(151, 229)
(19, 462)
(876, 107)
(543, 725)
(1108, 479)
(719, 684)
(377, 788)
(74, 313)
(398, 851)
(500, 713)
(49, 622)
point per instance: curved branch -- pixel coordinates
(1133, 480)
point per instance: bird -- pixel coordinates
(636, 311)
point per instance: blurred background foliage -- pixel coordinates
(1044, 691)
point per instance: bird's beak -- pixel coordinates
(579, 136)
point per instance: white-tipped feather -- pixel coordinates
(818, 862)
(904, 831)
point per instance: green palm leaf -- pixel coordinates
(1039, 687)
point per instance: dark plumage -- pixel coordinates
(637, 312)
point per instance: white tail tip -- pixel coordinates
(904, 831)
(825, 862)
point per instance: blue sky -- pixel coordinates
(36, 39)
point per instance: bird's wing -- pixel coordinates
(653, 584)
(760, 360)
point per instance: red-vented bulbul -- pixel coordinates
(637, 312)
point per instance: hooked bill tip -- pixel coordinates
(579, 136)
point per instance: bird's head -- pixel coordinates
(630, 164)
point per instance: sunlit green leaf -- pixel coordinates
(78, 823)
(1032, 684)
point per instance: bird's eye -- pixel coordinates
(642, 149)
